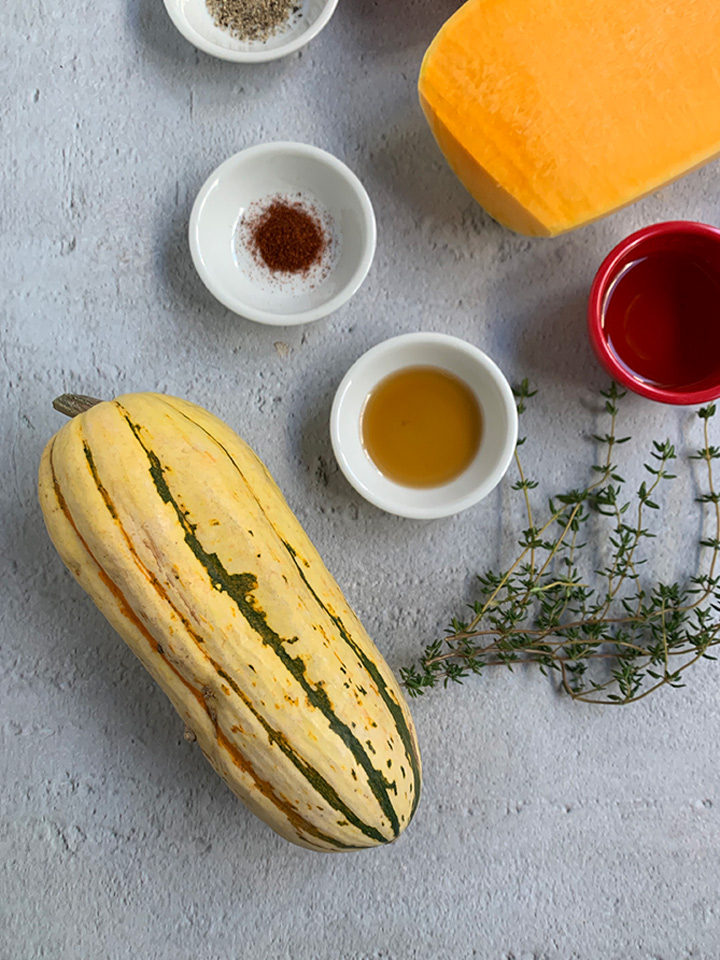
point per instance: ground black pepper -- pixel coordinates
(287, 237)
(252, 19)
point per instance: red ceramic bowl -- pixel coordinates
(668, 253)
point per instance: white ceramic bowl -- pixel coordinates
(500, 425)
(195, 23)
(228, 269)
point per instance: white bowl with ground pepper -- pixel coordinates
(282, 233)
(250, 31)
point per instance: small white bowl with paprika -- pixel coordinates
(424, 425)
(282, 233)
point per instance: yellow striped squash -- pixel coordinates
(185, 543)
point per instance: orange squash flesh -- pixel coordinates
(554, 113)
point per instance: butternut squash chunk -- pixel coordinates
(554, 113)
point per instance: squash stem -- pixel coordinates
(72, 404)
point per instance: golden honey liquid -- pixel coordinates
(421, 426)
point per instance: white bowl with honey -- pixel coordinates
(424, 425)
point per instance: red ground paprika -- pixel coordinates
(287, 237)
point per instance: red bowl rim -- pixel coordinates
(599, 288)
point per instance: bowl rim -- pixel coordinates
(598, 292)
(486, 485)
(174, 10)
(355, 186)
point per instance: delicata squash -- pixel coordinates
(185, 543)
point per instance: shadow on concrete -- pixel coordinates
(404, 23)
(555, 343)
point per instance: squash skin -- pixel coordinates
(183, 540)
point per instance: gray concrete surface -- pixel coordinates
(548, 830)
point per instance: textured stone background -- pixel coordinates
(548, 830)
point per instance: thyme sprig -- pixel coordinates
(607, 634)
